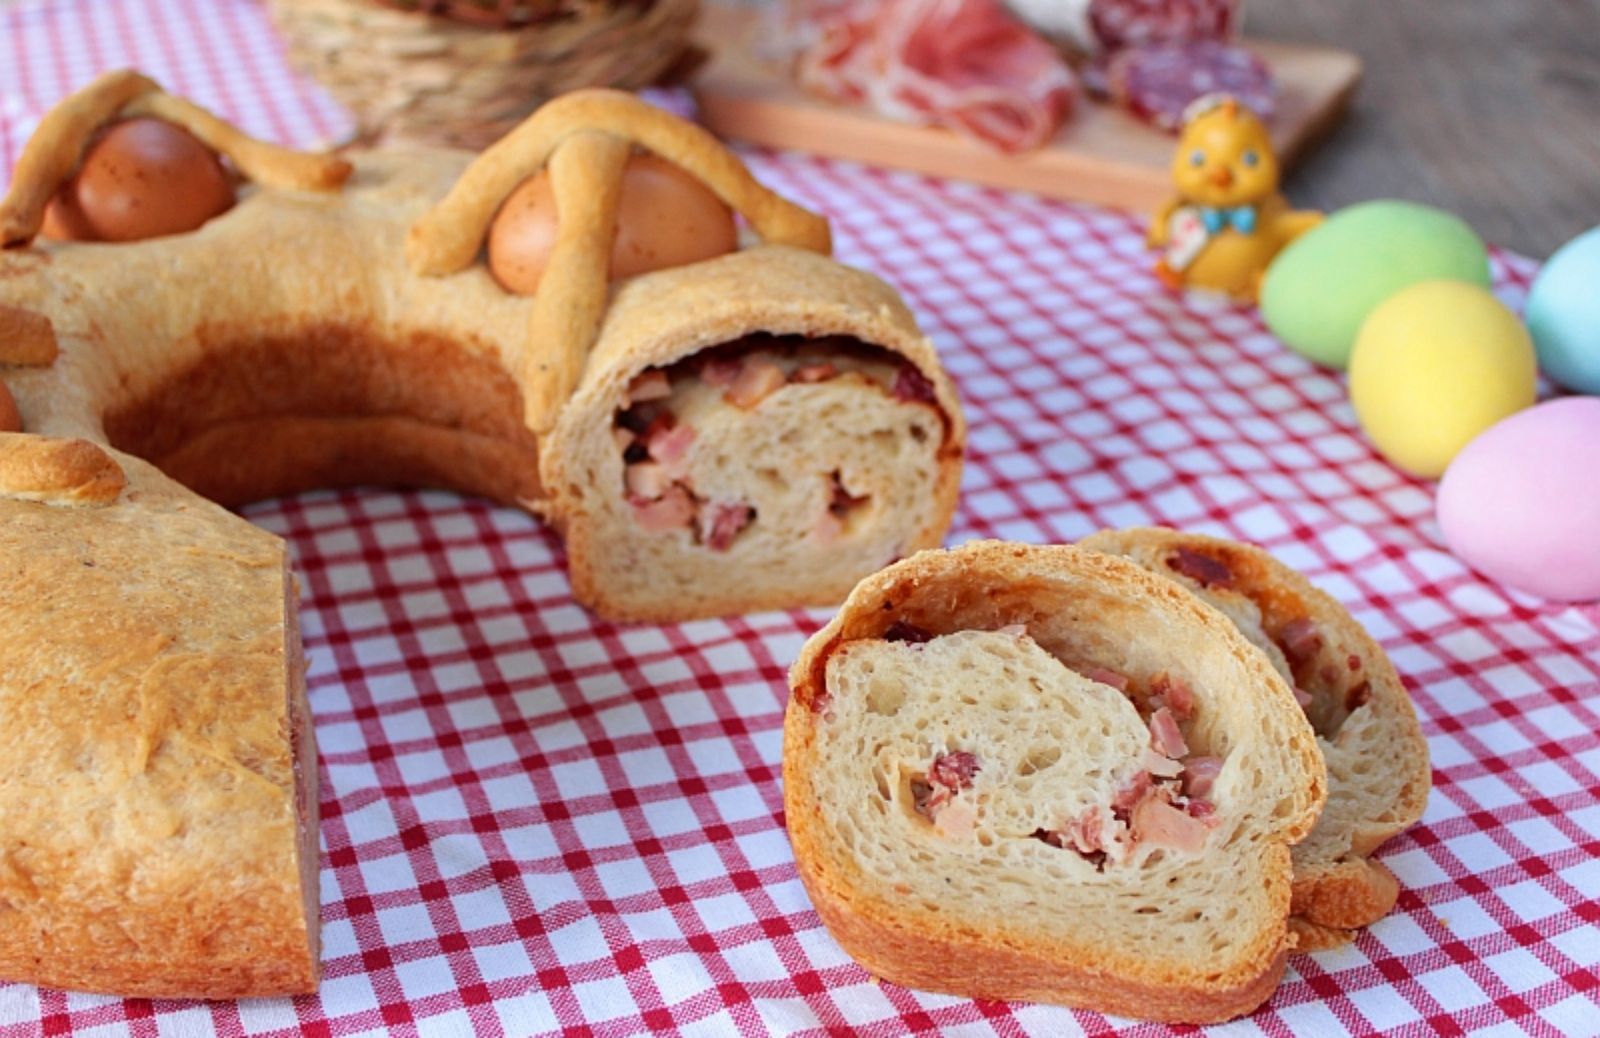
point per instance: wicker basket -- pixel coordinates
(437, 80)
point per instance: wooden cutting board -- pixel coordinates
(1102, 155)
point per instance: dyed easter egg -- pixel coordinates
(1563, 314)
(1433, 366)
(1321, 288)
(1521, 503)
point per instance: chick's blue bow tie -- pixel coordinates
(1242, 217)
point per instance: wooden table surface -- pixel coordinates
(1487, 108)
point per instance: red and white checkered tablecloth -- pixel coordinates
(534, 821)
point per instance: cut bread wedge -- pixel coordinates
(1377, 758)
(1041, 773)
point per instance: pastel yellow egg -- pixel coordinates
(1434, 365)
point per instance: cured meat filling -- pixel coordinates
(657, 444)
(1329, 684)
(1165, 803)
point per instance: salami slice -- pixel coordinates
(1136, 23)
(1159, 82)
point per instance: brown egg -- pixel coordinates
(141, 178)
(10, 420)
(665, 218)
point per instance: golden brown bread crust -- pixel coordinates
(262, 162)
(895, 946)
(148, 793)
(26, 338)
(1309, 937)
(300, 405)
(1345, 895)
(985, 585)
(57, 472)
(1348, 891)
(420, 383)
(281, 346)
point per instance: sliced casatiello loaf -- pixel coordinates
(1040, 773)
(1377, 758)
(755, 436)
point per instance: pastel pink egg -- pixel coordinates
(1521, 503)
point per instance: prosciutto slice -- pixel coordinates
(968, 65)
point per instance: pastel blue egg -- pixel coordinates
(1563, 314)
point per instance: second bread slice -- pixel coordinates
(1366, 726)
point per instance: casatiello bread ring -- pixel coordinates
(769, 409)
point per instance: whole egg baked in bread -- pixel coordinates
(767, 409)
(1042, 773)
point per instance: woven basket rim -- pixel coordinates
(506, 14)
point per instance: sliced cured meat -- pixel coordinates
(1199, 774)
(674, 510)
(1159, 82)
(1114, 679)
(1300, 641)
(756, 381)
(912, 385)
(968, 65)
(1136, 23)
(811, 373)
(1205, 570)
(955, 771)
(1157, 822)
(721, 524)
(1166, 736)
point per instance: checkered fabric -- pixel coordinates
(535, 821)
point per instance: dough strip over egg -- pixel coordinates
(57, 146)
(448, 238)
(270, 165)
(584, 138)
(586, 178)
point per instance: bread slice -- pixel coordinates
(1378, 771)
(977, 807)
(158, 789)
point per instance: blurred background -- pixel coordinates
(1488, 108)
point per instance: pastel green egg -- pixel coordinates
(1321, 288)
(1434, 365)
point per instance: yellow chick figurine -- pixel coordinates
(1228, 220)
